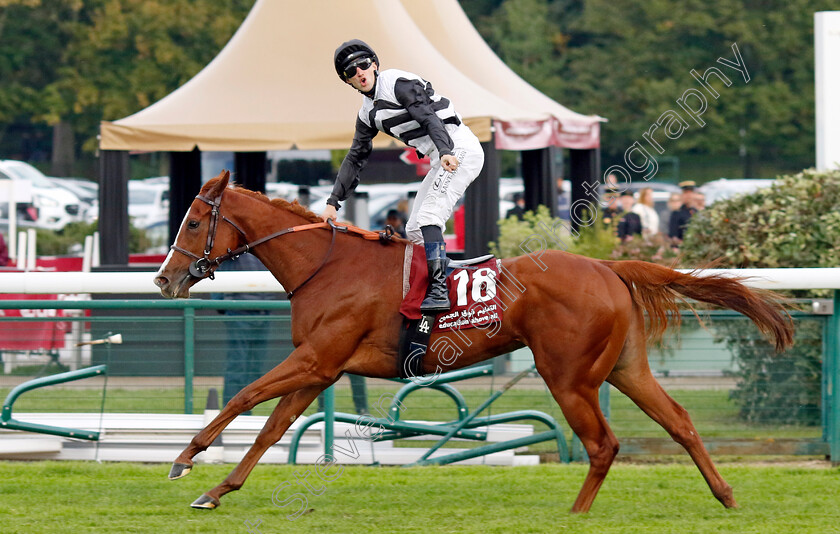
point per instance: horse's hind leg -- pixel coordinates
(583, 413)
(287, 410)
(576, 391)
(632, 377)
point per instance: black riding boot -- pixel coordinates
(437, 296)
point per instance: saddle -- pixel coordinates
(472, 262)
(473, 297)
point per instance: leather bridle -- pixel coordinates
(204, 266)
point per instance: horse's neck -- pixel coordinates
(290, 257)
(294, 257)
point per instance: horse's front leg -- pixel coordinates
(287, 410)
(300, 370)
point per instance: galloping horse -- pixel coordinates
(583, 319)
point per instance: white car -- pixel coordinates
(381, 198)
(56, 206)
(384, 197)
(726, 187)
(88, 193)
(284, 190)
(148, 203)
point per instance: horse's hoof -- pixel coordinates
(179, 471)
(206, 502)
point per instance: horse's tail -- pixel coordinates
(656, 289)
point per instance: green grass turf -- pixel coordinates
(80, 497)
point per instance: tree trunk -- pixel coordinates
(64, 149)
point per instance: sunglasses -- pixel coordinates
(364, 64)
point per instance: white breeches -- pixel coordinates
(440, 189)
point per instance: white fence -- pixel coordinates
(263, 281)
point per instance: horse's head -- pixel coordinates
(203, 241)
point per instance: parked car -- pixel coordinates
(56, 206)
(156, 180)
(158, 235)
(283, 190)
(381, 198)
(148, 203)
(726, 187)
(88, 193)
(508, 188)
(385, 197)
(26, 211)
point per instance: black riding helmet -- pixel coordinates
(349, 52)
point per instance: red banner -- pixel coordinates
(31, 335)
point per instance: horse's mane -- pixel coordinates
(293, 207)
(281, 203)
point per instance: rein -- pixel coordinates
(203, 265)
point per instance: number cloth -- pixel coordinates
(472, 292)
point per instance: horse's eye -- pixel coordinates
(193, 225)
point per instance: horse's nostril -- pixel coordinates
(161, 281)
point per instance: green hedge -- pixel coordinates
(71, 239)
(794, 223)
(595, 241)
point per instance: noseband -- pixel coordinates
(203, 266)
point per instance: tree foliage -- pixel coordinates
(629, 61)
(83, 61)
(33, 37)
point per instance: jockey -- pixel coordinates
(405, 106)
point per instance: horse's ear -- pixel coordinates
(220, 186)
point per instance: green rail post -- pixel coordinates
(417, 429)
(825, 382)
(463, 422)
(189, 358)
(604, 399)
(329, 419)
(832, 352)
(10, 423)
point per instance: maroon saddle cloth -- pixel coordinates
(472, 291)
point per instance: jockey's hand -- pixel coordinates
(328, 213)
(449, 162)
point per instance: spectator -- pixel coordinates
(403, 208)
(611, 182)
(679, 218)
(564, 210)
(395, 220)
(644, 209)
(629, 223)
(674, 203)
(518, 210)
(699, 201)
(247, 333)
(612, 208)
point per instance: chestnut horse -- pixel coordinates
(583, 319)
